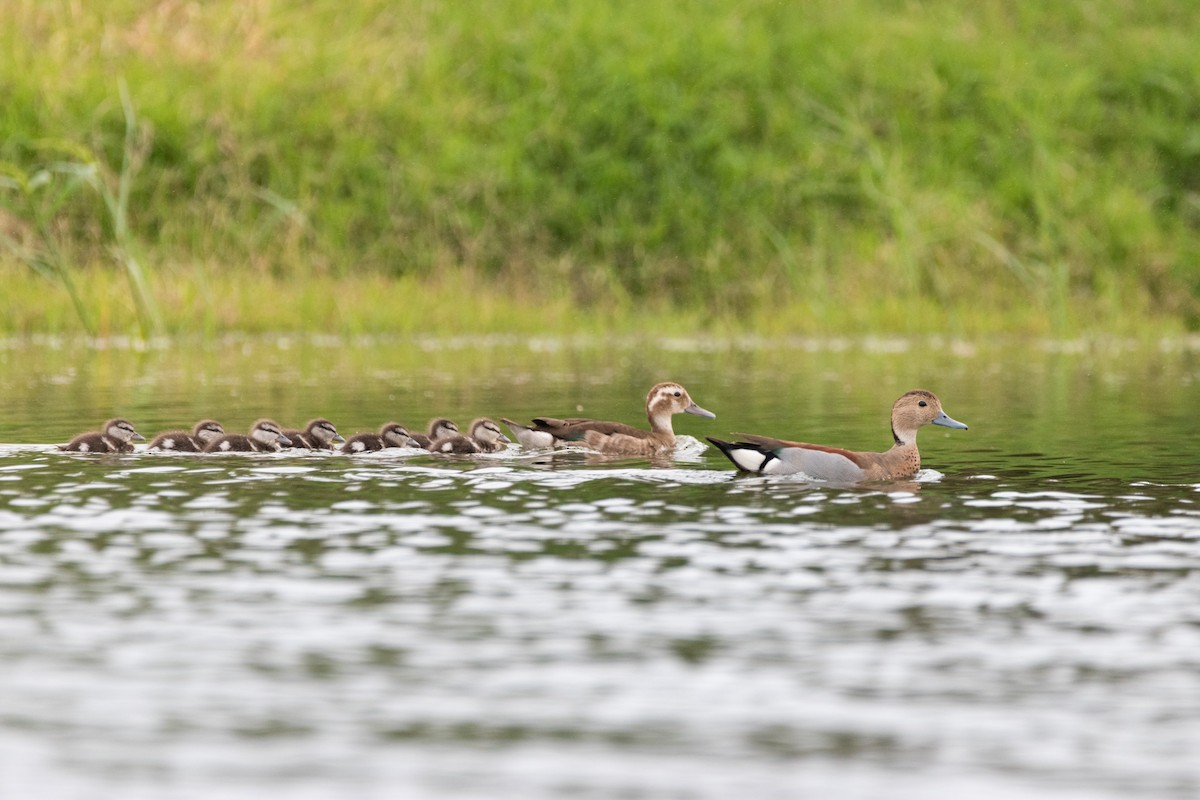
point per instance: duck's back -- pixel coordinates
(576, 429)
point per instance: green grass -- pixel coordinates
(818, 167)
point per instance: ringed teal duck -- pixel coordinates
(265, 437)
(318, 434)
(114, 436)
(485, 437)
(437, 429)
(662, 402)
(183, 442)
(533, 439)
(391, 434)
(767, 456)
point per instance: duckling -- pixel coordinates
(488, 436)
(454, 444)
(391, 434)
(265, 437)
(318, 434)
(437, 428)
(485, 437)
(183, 442)
(767, 456)
(114, 436)
(662, 402)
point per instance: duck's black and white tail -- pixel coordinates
(746, 456)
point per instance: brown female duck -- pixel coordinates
(529, 437)
(662, 402)
(769, 456)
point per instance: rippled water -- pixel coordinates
(1023, 620)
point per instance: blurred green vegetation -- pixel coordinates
(834, 165)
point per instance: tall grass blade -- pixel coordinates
(118, 206)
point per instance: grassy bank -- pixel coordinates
(827, 166)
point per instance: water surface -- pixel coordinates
(1023, 620)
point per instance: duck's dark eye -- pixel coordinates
(922, 404)
(677, 394)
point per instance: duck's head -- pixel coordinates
(122, 430)
(268, 432)
(484, 430)
(917, 408)
(208, 429)
(323, 431)
(396, 435)
(666, 399)
(441, 427)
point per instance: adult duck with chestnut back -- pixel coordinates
(662, 403)
(767, 456)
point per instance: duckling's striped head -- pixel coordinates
(122, 430)
(268, 432)
(208, 429)
(441, 427)
(323, 431)
(484, 430)
(396, 435)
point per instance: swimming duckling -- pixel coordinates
(488, 436)
(437, 428)
(265, 437)
(662, 402)
(183, 442)
(318, 434)
(115, 436)
(454, 444)
(391, 434)
(768, 456)
(485, 437)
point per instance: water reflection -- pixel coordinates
(1019, 621)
